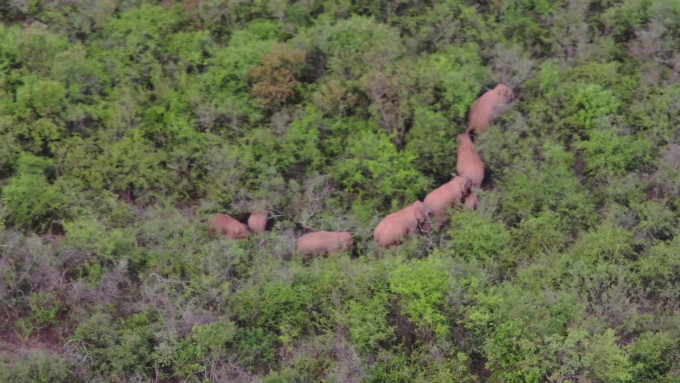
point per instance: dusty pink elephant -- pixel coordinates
(442, 198)
(257, 223)
(224, 224)
(324, 242)
(405, 222)
(471, 202)
(470, 163)
(488, 107)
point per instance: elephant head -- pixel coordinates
(488, 107)
(504, 93)
(224, 224)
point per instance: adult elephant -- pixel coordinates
(324, 242)
(412, 220)
(224, 224)
(488, 107)
(470, 163)
(446, 196)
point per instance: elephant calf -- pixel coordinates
(324, 242)
(224, 224)
(405, 222)
(257, 223)
(470, 163)
(442, 198)
(488, 107)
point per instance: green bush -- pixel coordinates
(107, 245)
(125, 125)
(656, 271)
(121, 348)
(608, 154)
(652, 356)
(255, 348)
(373, 169)
(528, 191)
(355, 45)
(478, 237)
(587, 105)
(422, 288)
(32, 202)
(40, 98)
(605, 360)
(39, 366)
(367, 323)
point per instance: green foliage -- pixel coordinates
(654, 113)
(203, 343)
(125, 125)
(652, 356)
(608, 154)
(513, 351)
(554, 188)
(256, 348)
(45, 308)
(39, 99)
(422, 288)
(31, 49)
(121, 348)
(475, 236)
(31, 201)
(626, 17)
(588, 105)
(279, 307)
(354, 45)
(605, 360)
(656, 271)
(91, 235)
(228, 73)
(39, 134)
(432, 138)
(607, 242)
(393, 369)
(134, 165)
(525, 331)
(39, 367)
(367, 323)
(521, 22)
(284, 306)
(372, 167)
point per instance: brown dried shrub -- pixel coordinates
(278, 76)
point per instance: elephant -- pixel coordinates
(257, 222)
(442, 198)
(324, 242)
(488, 107)
(224, 224)
(405, 222)
(470, 163)
(471, 202)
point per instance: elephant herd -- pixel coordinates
(416, 219)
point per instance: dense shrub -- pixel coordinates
(125, 125)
